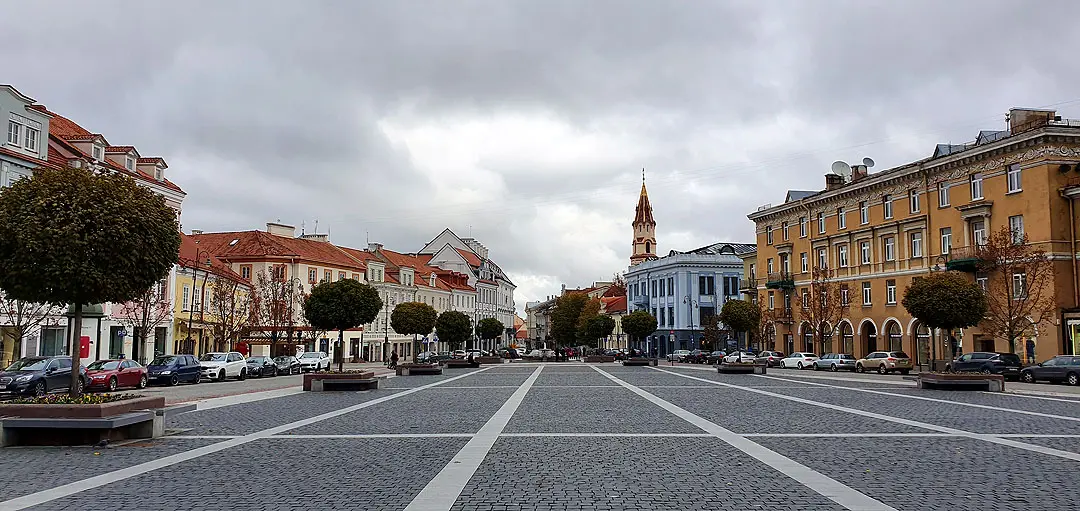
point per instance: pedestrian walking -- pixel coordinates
(393, 359)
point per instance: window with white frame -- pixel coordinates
(886, 204)
(913, 200)
(772, 301)
(864, 212)
(841, 219)
(864, 252)
(978, 232)
(890, 292)
(785, 263)
(976, 186)
(1016, 228)
(822, 258)
(185, 298)
(1019, 285)
(841, 256)
(916, 244)
(769, 265)
(804, 262)
(1013, 177)
(32, 136)
(866, 294)
(821, 223)
(943, 195)
(802, 226)
(783, 229)
(768, 235)
(845, 296)
(129, 163)
(946, 240)
(14, 133)
(890, 248)
(982, 280)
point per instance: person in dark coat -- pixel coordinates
(393, 359)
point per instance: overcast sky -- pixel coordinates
(526, 124)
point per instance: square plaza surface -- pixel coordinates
(568, 436)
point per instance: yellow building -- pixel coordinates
(194, 316)
(878, 231)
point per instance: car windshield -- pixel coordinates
(310, 354)
(282, 359)
(1010, 358)
(256, 360)
(899, 354)
(809, 355)
(103, 365)
(162, 361)
(214, 357)
(845, 356)
(28, 364)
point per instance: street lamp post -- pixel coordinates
(693, 305)
(386, 327)
(195, 281)
(940, 263)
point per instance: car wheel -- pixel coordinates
(816, 368)
(198, 378)
(1027, 377)
(859, 368)
(986, 370)
(1073, 379)
(143, 381)
(800, 366)
(881, 369)
(221, 375)
(783, 365)
(173, 380)
(112, 384)
(243, 375)
(948, 368)
(833, 368)
(40, 389)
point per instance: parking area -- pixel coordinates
(570, 436)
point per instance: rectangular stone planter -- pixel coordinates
(488, 360)
(598, 359)
(418, 369)
(81, 411)
(458, 363)
(641, 362)
(726, 368)
(310, 378)
(978, 382)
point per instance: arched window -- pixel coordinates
(648, 247)
(808, 337)
(893, 337)
(922, 343)
(826, 338)
(847, 338)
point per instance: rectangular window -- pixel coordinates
(802, 226)
(976, 186)
(313, 275)
(14, 134)
(783, 228)
(772, 301)
(841, 256)
(769, 265)
(890, 292)
(768, 235)
(805, 299)
(671, 286)
(913, 200)
(943, 195)
(328, 275)
(864, 252)
(707, 286)
(96, 152)
(341, 276)
(1016, 227)
(866, 294)
(732, 284)
(886, 203)
(663, 288)
(1013, 177)
(785, 263)
(946, 240)
(671, 316)
(245, 271)
(661, 317)
(196, 302)
(821, 223)
(1019, 284)
(185, 298)
(978, 232)
(32, 138)
(129, 164)
(982, 280)
(652, 285)
(804, 262)
(753, 271)
(841, 219)
(864, 213)
(822, 258)
(916, 244)
(845, 295)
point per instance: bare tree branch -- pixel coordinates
(1020, 286)
(230, 312)
(822, 305)
(25, 319)
(146, 313)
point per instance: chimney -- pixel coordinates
(374, 247)
(277, 229)
(196, 232)
(858, 172)
(833, 181)
(1026, 119)
(316, 237)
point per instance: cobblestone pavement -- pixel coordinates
(572, 436)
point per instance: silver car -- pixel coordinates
(835, 362)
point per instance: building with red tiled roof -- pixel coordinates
(615, 306)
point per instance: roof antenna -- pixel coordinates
(303, 226)
(642, 175)
(367, 237)
(316, 226)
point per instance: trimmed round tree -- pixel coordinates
(341, 305)
(599, 327)
(945, 300)
(415, 318)
(489, 328)
(639, 325)
(70, 236)
(740, 316)
(454, 327)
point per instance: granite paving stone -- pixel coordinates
(592, 410)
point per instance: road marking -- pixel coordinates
(445, 488)
(847, 435)
(935, 400)
(461, 387)
(377, 435)
(827, 487)
(1027, 395)
(69, 489)
(218, 402)
(986, 437)
(602, 435)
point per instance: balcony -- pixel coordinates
(965, 259)
(748, 285)
(783, 316)
(782, 280)
(641, 300)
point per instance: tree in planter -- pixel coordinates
(740, 316)
(342, 305)
(598, 327)
(945, 300)
(489, 328)
(145, 313)
(710, 332)
(75, 237)
(590, 310)
(307, 332)
(639, 325)
(414, 318)
(230, 310)
(24, 319)
(822, 305)
(454, 328)
(1020, 286)
(565, 316)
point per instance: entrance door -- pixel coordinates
(116, 342)
(870, 338)
(160, 333)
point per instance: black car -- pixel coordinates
(257, 367)
(37, 376)
(1006, 364)
(715, 357)
(1062, 368)
(697, 357)
(287, 364)
(173, 369)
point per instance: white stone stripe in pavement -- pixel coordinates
(986, 437)
(218, 402)
(827, 487)
(443, 490)
(89, 483)
(376, 435)
(609, 435)
(616, 435)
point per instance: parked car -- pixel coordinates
(740, 357)
(314, 361)
(697, 357)
(257, 367)
(38, 376)
(799, 359)
(678, 355)
(510, 353)
(173, 369)
(216, 366)
(1064, 368)
(770, 358)
(1007, 364)
(835, 362)
(287, 364)
(884, 362)
(113, 374)
(716, 357)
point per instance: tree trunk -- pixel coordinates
(415, 353)
(76, 344)
(340, 353)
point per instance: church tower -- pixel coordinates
(644, 228)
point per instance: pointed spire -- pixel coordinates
(643, 213)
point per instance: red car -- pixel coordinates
(112, 374)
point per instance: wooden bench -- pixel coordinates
(640, 362)
(346, 385)
(418, 370)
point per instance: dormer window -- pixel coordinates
(159, 173)
(129, 163)
(97, 152)
(32, 139)
(14, 132)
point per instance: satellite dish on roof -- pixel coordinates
(838, 167)
(868, 161)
